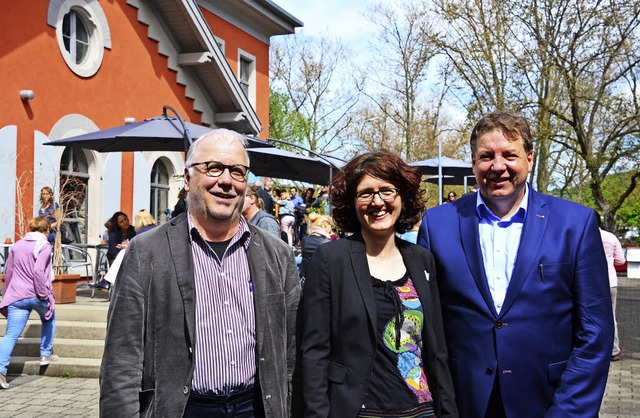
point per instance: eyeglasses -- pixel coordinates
(238, 172)
(387, 194)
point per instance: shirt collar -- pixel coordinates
(485, 213)
(243, 235)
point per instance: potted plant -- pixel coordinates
(72, 191)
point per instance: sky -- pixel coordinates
(338, 18)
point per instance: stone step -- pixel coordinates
(85, 313)
(64, 329)
(65, 367)
(64, 347)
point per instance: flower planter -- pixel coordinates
(64, 287)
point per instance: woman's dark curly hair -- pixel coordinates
(386, 166)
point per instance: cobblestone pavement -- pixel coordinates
(40, 396)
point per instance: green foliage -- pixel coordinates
(284, 122)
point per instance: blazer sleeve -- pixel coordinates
(423, 234)
(315, 337)
(582, 385)
(445, 391)
(122, 363)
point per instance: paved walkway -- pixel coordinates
(40, 396)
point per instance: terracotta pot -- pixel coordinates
(64, 287)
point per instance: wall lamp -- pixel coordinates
(26, 95)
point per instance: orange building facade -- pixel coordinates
(69, 67)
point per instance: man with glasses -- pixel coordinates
(198, 325)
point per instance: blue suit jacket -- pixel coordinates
(550, 346)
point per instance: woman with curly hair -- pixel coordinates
(371, 337)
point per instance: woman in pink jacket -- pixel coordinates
(28, 287)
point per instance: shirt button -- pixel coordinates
(233, 362)
(226, 302)
(229, 331)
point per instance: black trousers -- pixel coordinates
(245, 404)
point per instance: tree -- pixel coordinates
(571, 66)
(404, 38)
(284, 122)
(590, 47)
(313, 75)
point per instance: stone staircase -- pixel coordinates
(79, 339)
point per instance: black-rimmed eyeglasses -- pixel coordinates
(238, 172)
(366, 196)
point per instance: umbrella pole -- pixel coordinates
(439, 171)
(185, 132)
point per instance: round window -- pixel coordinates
(82, 33)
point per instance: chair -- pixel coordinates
(102, 267)
(73, 257)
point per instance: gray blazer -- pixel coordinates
(148, 365)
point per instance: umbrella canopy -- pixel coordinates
(162, 133)
(279, 163)
(450, 167)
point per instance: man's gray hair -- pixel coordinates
(218, 134)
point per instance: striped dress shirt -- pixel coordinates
(225, 359)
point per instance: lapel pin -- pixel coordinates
(426, 275)
(540, 216)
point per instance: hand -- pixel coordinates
(124, 244)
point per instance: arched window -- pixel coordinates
(74, 181)
(159, 191)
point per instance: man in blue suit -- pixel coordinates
(524, 288)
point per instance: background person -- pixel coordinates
(286, 214)
(615, 257)
(372, 342)
(256, 216)
(264, 193)
(144, 221)
(28, 287)
(49, 209)
(181, 204)
(119, 234)
(526, 309)
(321, 230)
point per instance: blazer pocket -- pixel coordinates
(549, 270)
(555, 371)
(337, 373)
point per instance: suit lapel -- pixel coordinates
(535, 224)
(257, 268)
(180, 249)
(470, 238)
(362, 275)
(419, 277)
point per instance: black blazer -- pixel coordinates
(338, 335)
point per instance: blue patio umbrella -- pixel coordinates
(162, 133)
